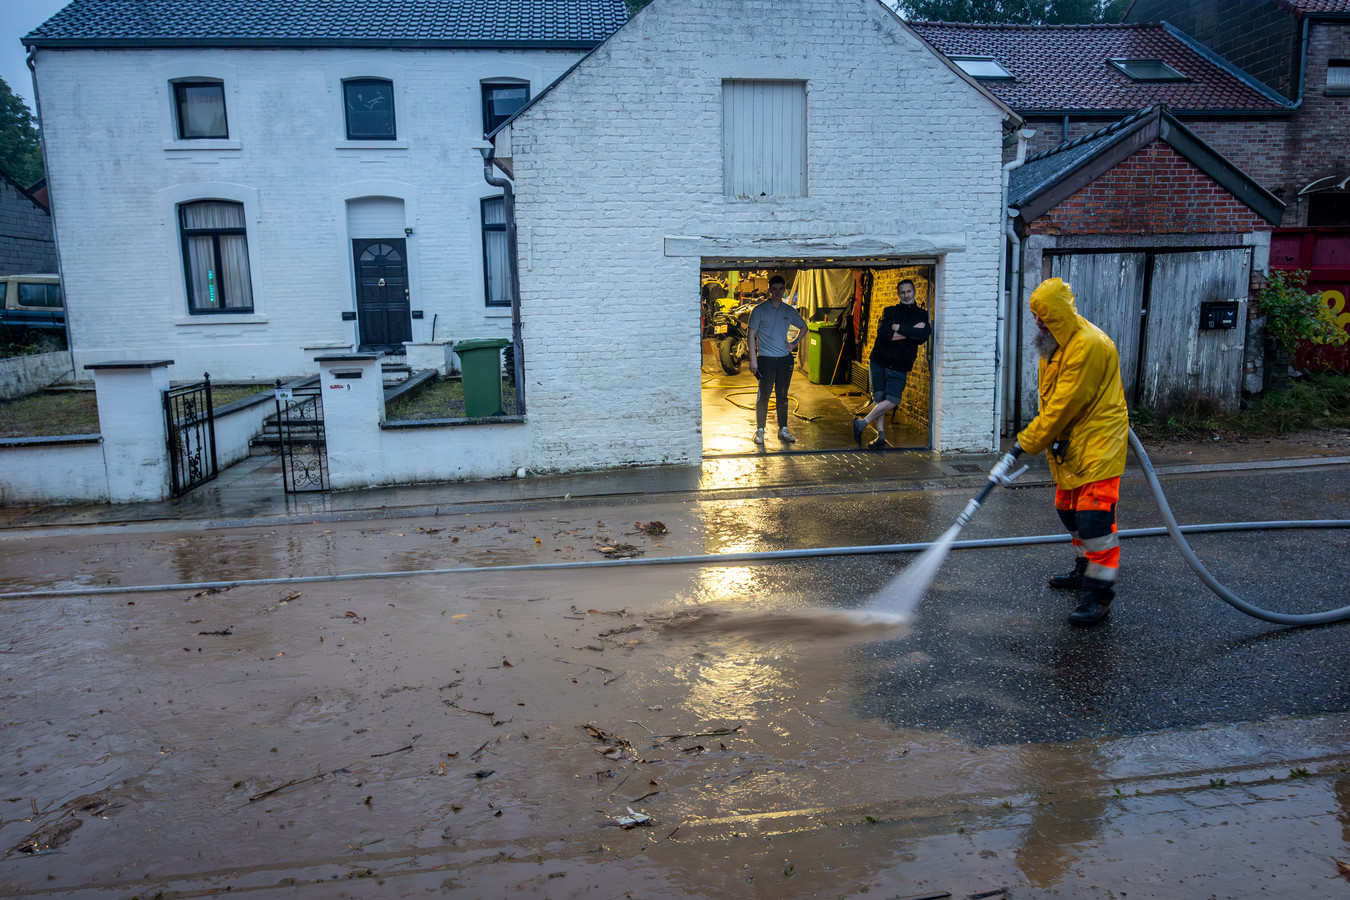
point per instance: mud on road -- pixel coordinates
(492, 734)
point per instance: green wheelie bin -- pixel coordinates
(480, 366)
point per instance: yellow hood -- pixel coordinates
(1082, 400)
(1053, 302)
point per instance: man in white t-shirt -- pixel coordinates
(771, 356)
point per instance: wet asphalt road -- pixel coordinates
(990, 658)
(991, 744)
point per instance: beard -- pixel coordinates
(1045, 344)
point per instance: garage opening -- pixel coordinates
(842, 302)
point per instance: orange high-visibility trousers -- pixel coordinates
(1089, 514)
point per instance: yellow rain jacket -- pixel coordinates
(1082, 400)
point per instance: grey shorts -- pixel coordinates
(886, 383)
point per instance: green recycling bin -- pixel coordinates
(824, 343)
(480, 366)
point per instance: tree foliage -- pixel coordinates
(1015, 12)
(20, 150)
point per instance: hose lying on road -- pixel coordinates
(1265, 615)
(762, 556)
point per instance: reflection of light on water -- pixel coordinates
(722, 583)
(734, 685)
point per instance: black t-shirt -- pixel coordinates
(899, 355)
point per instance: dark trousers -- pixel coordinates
(775, 372)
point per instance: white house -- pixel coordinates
(250, 183)
(721, 134)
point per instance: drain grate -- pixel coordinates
(967, 467)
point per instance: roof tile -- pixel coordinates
(1064, 67)
(229, 22)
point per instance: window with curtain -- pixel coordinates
(200, 106)
(370, 109)
(494, 252)
(764, 138)
(215, 257)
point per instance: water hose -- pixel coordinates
(1171, 528)
(1265, 615)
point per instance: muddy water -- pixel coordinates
(429, 736)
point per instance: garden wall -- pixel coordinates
(21, 375)
(63, 469)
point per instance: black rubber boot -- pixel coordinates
(1073, 580)
(1096, 602)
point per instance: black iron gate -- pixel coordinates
(304, 446)
(191, 431)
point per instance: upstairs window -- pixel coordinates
(200, 107)
(501, 100)
(370, 109)
(215, 257)
(985, 68)
(764, 138)
(1147, 70)
(494, 251)
(1338, 76)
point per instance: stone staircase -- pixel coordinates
(397, 377)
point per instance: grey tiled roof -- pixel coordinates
(330, 22)
(1044, 169)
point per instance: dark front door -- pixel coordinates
(382, 308)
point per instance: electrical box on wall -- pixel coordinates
(1218, 314)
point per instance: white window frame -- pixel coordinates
(169, 201)
(199, 70)
(338, 74)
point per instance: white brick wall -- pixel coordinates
(117, 173)
(626, 151)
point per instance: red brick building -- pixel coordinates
(1159, 235)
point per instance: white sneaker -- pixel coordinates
(785, 435)
(759, 436)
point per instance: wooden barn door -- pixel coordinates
(1181, 361)
(1108, 290)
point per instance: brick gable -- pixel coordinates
(1154, 191)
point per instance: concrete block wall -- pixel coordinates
(118, 169)
(21, 375)
(27, 246)
(627, 152)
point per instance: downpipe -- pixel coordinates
(1171, 528)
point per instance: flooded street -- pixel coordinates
(481, 734)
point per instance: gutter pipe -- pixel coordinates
(1006, 284)
(31, 60)
(512, 268)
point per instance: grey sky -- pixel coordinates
(17, 18)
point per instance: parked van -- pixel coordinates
(32, 302)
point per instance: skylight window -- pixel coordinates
(985, 67)
(1148, 70)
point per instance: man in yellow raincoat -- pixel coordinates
(1084, 425)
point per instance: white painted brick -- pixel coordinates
(897, 143)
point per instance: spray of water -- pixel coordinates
(902, 594)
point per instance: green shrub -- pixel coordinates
(1293, 313)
